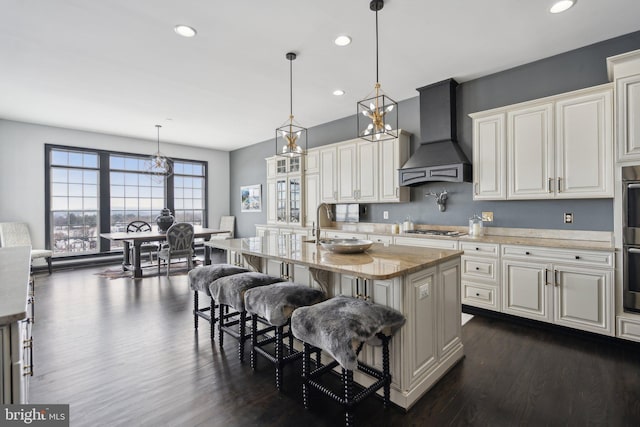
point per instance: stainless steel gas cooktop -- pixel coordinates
(449, 233)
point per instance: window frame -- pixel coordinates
(104, 192)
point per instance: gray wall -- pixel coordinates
(22, 169)
(569, 71)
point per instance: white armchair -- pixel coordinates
(17, 234)
(228, 224)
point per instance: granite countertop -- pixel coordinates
(15, 264)
(378, 262)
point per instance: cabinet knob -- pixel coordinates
(477, 294)
(477, 249)
(577, 256)
(477, 268)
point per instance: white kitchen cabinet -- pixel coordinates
(312, 161)
(331, 234)
(530, 165)
(393, 154)
(451, 244)
(358, 171)
(574, 294)
(557, 147)
(584, 145)
(489, 157)
(480, 275)
(329, 174)
(289, 272)
(624, 70)
(311, 198)
(284, 200)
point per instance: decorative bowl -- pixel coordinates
(346, 246)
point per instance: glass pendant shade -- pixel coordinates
(291, 138)
(159, 165)
(377, 114)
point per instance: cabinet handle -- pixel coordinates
(477, 249)
(577, 256)
(559, 184)
(549, 185)
(475, 188)
(546, 276)
(397, 189)
(527, 253)
(556, 278)
(477, 294)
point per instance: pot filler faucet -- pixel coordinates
(441, 199)
(317, 229)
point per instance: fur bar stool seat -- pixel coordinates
(340, 326)
(228, 292)
(199, 281)
(275, 304)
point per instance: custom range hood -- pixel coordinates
(439, 157)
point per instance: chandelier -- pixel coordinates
(159, 165)
(377, 115)
(291, 139)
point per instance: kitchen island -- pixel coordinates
(421, 283)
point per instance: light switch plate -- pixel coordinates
(568, 217)
(385, 215)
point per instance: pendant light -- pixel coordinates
(291, 139)
(159, 165)
(377, 115)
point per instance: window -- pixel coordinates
(73, 178)
(189, 191)
(95, 191)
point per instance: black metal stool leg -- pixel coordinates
(279, 350)
(347, 380)
(195, 309)
(306, 359)
(242, 328)
(220, 324)
(254, 341)
(385, 371)
(212, 318)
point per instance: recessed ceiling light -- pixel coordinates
(185, 30)
(342, 40)
(338, 92)
(561, 6)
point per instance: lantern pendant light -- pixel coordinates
(291, 139)
(377, 115)
(159, 165)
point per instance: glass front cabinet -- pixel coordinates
(284, 190)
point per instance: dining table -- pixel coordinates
(138, 238)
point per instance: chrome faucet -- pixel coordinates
(316, 231)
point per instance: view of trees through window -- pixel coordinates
(131, 194)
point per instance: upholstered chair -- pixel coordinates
(17, 234)
(179, 244)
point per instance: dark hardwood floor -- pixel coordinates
(124, 352)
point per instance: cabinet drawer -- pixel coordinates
(480, 296)
(574, 256)
(628, 329)
(480, 249)
(342, 235)
(427, 243)
(480, 268)
(378, 238)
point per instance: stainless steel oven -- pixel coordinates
(631, 237)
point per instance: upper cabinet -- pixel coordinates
(359, 171)
(624, 71)
(557, 147)
(284, 190)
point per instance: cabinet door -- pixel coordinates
(489, 158)
(311, 198)
(281, 200)
(347, 172)
(584, 146)
(5, 365)
(583, 298)
(390, 154)
(628, 117)
(525, 289)
(294, 200)
(271, 202)
(275, 268)
(312, 161)
(530, 152)
(329, 175)
(367, 172)
(448, 293)
(271, 167)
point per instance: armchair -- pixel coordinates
(17, 234)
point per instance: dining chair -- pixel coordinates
(149, 247)
(227, 223)
(179, 244)
(17, 234)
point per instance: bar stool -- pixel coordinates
(199, 281)
(274, 304)
(228, 292)
(335, 326)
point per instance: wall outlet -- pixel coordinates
(487, 216)
(385, 215)
(425, 290)
(568, 217)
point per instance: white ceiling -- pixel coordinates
(117, 66)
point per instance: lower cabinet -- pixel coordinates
(15, 362)
(574, 296)
(480, 275)
(289, 272)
